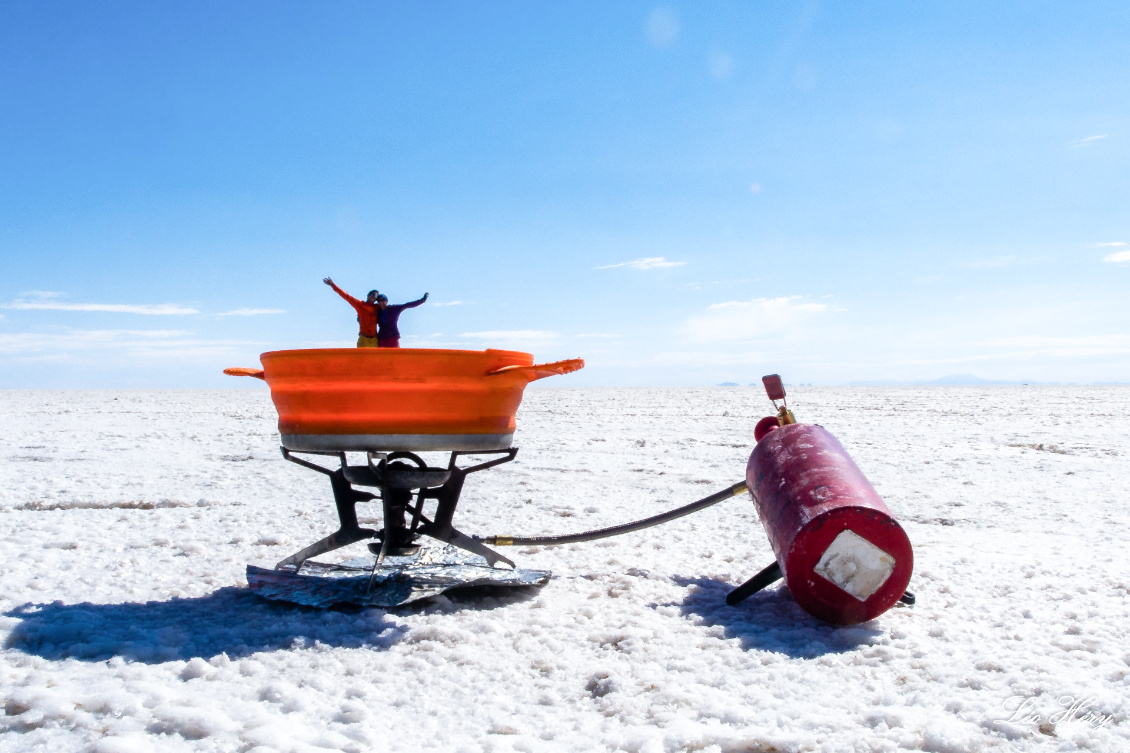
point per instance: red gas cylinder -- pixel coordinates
(844, 557)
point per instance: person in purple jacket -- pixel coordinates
(388, 336)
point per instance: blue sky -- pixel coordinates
(681, 194)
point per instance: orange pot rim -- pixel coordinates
(392, 351)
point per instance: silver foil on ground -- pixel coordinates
(400, 580)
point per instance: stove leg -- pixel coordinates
(335, 540)
(396, 502)
(447, 498)
(345, 498)
(463, 541)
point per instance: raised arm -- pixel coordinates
(352, 301)
(416, 303)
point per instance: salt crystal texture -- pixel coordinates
(143, 637)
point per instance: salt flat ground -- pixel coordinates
(128, 517)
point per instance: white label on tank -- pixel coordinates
(855, 564)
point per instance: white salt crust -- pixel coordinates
(128, 517)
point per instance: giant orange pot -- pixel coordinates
(398, 398)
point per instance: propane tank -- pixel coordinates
(843, 555)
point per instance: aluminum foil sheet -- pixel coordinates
(400, 580)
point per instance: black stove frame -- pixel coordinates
(397, 475)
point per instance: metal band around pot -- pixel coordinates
(395, 442)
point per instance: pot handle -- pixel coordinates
(542, 370)
(244, 371)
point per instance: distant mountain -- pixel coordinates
(954, 380)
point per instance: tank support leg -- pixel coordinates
(766, 577)
(772, 574)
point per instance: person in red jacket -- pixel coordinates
(368, 313)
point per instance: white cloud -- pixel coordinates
(745, 320)
(512, 334)
(1118, 257)
(159, 309)
(1116, 244)
(720, 64)
(651, 262)
(1087, 141)
(124, 344)
(76, 351)
(449, 303)
(252, 312)
(662, 27)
